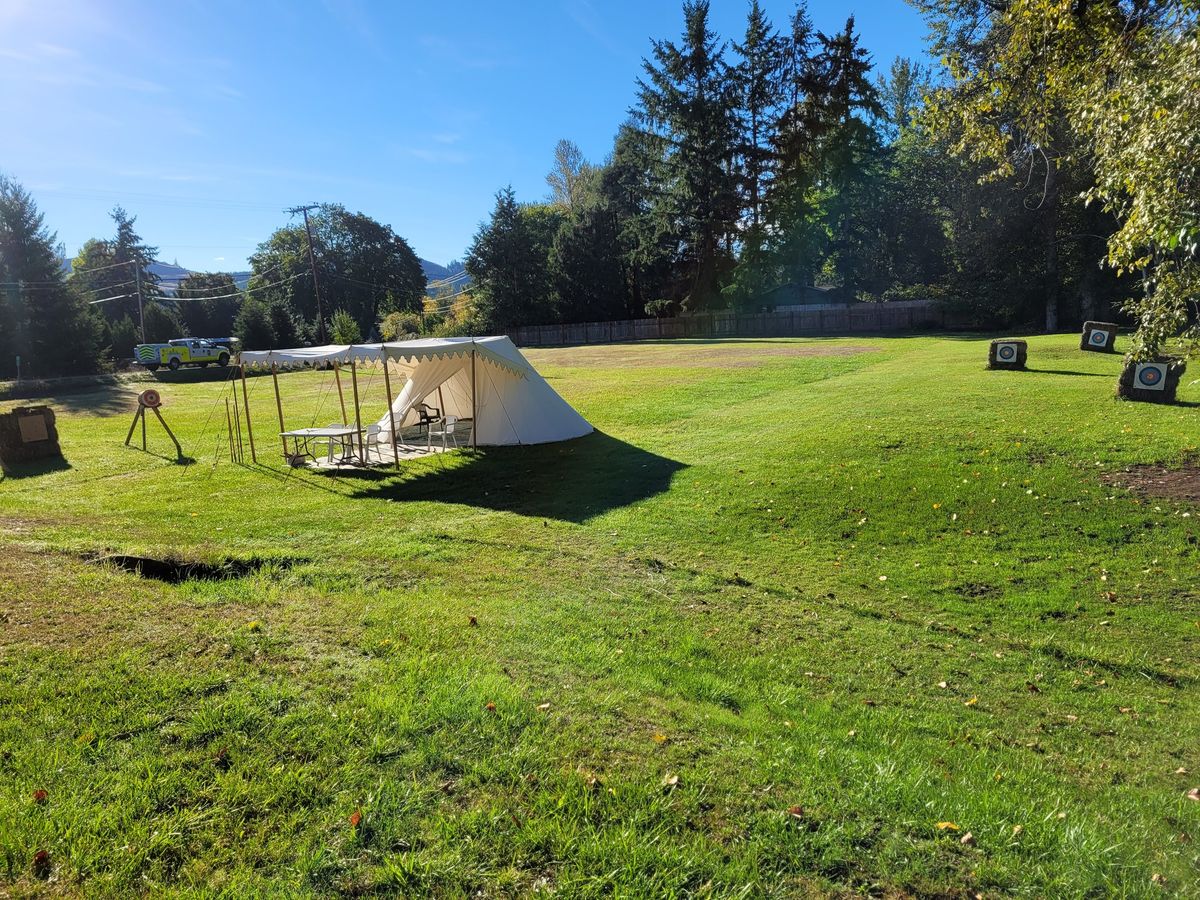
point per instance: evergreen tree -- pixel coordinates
(688, 100)
(253, 326)
(507, 261)
(114, 268)
(162, 324)
(759, 79)
(42, 318)
(208, 303)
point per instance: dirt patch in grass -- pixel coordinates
(176, 571)
(1181, 483)
(705, 355)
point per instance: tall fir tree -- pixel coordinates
(43, 319)
(688, 100)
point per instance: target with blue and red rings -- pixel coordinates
(1006, 352)
(1098, 338)
(1150, 376)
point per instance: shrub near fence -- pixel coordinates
(862, 318)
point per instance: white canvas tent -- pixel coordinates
(484, 379)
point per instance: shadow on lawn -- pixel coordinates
(572, 481)
(14, 471)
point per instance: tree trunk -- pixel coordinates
(1050, 237)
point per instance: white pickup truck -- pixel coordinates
(184, 352)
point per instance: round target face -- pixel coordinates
(1098, 339)
(1006, 352)
(1149, 376)
(150, 398)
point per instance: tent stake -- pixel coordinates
(249, 428)
(362, 444)
(337, 374)
(474, 405)
(387, 386)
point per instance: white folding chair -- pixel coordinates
(445, 430)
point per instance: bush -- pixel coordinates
(400, 325)
(661, 309)
(343, 329)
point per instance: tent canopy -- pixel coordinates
(485, 379)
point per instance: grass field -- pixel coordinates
(803, 617)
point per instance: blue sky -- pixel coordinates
(206, 118)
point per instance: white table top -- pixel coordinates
(337, 431)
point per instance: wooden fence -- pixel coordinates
(861, 318)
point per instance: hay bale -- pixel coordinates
(1007, 354)
(1099, 337)
(1153, 381)
(28, 434)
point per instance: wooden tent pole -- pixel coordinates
(337, 374)
(474, 405)
(237, 422)
(278, 401)
(249, 427)
(362, 444)
(387, 386)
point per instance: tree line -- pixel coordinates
(1046, 172)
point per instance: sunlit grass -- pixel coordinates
(843, 596)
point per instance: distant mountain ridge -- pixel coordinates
(173, 273)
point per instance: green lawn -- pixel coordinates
(861, 598)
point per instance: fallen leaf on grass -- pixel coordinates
(1032, 688)
(670, 782)
(796, 812)
(40, 796)
(947, 826)
(974, 700)
(355, 818)
(543, 707)
(943, 685)
(472, 621)
(1181, 771)
(967, 839)
(41, 864)
(660, 738)
(1158, 878)
(1017, 829)
(490, 707)
(1194, 794)
(869, 703)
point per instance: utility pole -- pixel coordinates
(137, 267)
(312, 265)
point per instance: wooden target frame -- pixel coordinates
(150, 399)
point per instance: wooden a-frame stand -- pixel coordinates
(140, 415)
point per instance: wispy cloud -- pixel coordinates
(586, 17)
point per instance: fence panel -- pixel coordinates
(864, 318)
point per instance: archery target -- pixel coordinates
(150, 398)
(1098, 338)
(1006, 353)
(1150, 376)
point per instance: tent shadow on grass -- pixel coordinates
(572, 481)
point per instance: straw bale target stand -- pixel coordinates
(28, 434)
(1099, 337)
(1153, 381)
(1007, 354)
